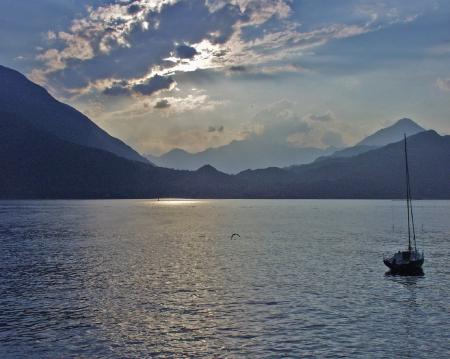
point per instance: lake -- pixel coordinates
(142, 278)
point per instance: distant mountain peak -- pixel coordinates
(176, 151)
(207, 169)
(380, 138)
(392, 133)
(406, 121)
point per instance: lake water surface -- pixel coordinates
(141, 278)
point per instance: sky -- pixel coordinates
(163, 74)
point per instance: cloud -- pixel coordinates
(265, 71)
(325, 117)
(146, 87)
(196, 103)
(185, 51)
(215, 129)
(134, 40)
(440, 50)
(257, 11)
(332, 138)
(282, 123)
(238, 68)
(134, 9)
(184, 124)
(162, 104)
(154, 84)
(277, 122)
(118, 89)
(443, 83)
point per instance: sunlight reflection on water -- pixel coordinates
(175, 202)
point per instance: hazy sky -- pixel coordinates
(193, 74)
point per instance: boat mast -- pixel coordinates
(407, 195)
(411, 208)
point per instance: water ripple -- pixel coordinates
(134, 279)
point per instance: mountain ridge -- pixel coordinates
(239, 155)
(391, 133)
(26, 99)
(379, 138)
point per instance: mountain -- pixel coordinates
(176, 158)
(350, 151)
(254, 153)
(380, 138)
(392, 133)
(21, 97)
(378, 173)
(38, 164)
(240, 155)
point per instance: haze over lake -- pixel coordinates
(142, 278)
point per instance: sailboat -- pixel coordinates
(407, 262)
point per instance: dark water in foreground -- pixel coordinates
(138, 278)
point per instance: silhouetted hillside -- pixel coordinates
(29, 101)
(378, 173)
(37, 164)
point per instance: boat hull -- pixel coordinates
(410, 268)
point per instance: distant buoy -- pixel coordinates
(235, 235)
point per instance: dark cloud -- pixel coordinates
(116, 90)
(326, 117)
(215, 129)
(154, 84)
(220, 53)
(185, 52)
(134, 9)
(162, 104)
(239, 68)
